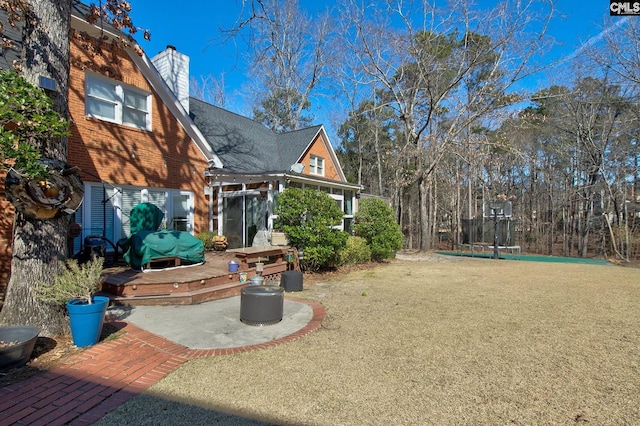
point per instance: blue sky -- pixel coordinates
(194, 29)
(193, 26)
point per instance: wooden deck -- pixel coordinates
(190, 284)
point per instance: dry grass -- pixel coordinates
(467, 341)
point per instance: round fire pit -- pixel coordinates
(17, 346)
(261, 304)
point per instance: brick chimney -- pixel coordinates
(173, 66)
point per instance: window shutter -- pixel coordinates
(130, 199)
(97, 213)
(159, 199)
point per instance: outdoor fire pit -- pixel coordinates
(17, 345)
(261, 304)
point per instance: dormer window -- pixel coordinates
(113, 101)
(316, 165)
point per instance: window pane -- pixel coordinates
(313, 167)
(316, 165)
(101, 109)
(255, 216)
(134, 118)
(101, 89)
(348, 202)
(135, 100)
(180, 212)
(348, 225)
(159, 199)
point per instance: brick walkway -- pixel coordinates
(90, 384)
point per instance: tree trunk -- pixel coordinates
(457, 211)
(565, 228)
(552, 222)
(433, 213)
(379, 163)
(39, 245)
(425, 223)
(584, 230)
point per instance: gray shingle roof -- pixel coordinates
(246, 146)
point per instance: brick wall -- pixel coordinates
(164, 157)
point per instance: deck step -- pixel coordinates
(181, 286)
(183, 298)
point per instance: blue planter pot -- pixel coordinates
(87, 319)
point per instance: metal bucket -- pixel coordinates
(257, 280)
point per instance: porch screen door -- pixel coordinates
(255, 216)
(232, 221)
(243, 215)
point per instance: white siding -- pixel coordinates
(173, 66)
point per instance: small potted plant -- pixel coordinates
(76, 286)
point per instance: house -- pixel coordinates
(259, 164)
(137, 136)
(131, 138)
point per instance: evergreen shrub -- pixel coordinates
(308, 217)
(356, 251)
(375, 222)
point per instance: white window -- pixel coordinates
(114, 101)
(316, 165)
(106, 210)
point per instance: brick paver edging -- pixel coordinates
(97, 380)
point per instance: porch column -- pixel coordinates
(219, 199)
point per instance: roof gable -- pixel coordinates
(293, 145)
(246, 146)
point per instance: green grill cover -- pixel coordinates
(145, 217)
(145, 246)
(146, 243)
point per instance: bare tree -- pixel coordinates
(621, 52)
(209, 89)
(288, 57)
(366, 143)
(620, 56)
(442, 70)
